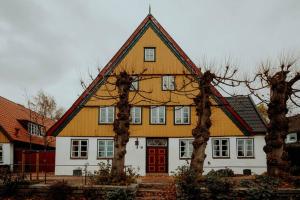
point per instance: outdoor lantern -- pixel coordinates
(136, 143)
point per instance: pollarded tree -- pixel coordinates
(276, 87)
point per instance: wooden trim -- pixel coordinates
(174, 116)
(212, 150)
(87, 150)
(150, 114)
(244, 157)
(99, 113)
(154, 54)
(105, 158)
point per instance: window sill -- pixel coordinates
(221, 157)
(240, 157)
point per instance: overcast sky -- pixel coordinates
(50, 45)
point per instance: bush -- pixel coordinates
(104, 177)
(221, 173)
(219, 188)
(119, 194)
(59, 190)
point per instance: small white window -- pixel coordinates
(149, 54)
(220, 148)
(291, 138)
(79, 148)
(158, 115)
(245, 147)
(182, 115)
(135, 114)
(168, 83)
(135, 83)
(107, 115)
(35, 129)
(105, 148)
(1, 153)
(185, 148)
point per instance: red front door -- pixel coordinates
(157, 160)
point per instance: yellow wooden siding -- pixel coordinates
(3, 138)
(85, 123)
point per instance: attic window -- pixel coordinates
(35, 129)
(149, 54)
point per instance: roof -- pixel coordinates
(149, 21)
(294, 123)
(246, 108)
(12, 115)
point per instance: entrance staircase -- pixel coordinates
(160, 187)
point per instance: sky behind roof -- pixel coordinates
(50, 45)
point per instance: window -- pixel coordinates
(220, 148)
(136, 115)
(168, 83)
(185, 148)
(182, 115)
(135, 83)
(107, 115)
(79, 148)
(35, 129)
(149, 54)
(1, 153)
(291, 138)
(105, 148)
(245, 147)
(158, 115)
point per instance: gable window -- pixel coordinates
(79, 148)
(182, 114)
(168, 83)
(107, 115)
(245, 147)
(136, 115)
(35, 129)
(158, 115)
(105, 148)
(1, 153)
(135, 83)
(149, 54)
(220, 148)
(185, 148)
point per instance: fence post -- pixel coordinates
(37, 164)
(23, 164)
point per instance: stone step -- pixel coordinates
(151, 192)
(154, 185)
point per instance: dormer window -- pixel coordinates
(35, 129)
(149, 54)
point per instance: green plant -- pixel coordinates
(119, 194)
(219, 188)
(268, 181)
(221, 173)
(59, 190)
(93, 194)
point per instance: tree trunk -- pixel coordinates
(121, 127)
(277, 159)
(201, 131)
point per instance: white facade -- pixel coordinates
(8, 154)
(136, 156)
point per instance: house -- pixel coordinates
(160, 134)
(21, 129)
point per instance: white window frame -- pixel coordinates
(188, 148)
(244, 147)
(106, 145)
(133, 115)
(168, 83)
(149, 54)
(155, 114)
(35, 129)
(179, 112)
(1, 153)
(220, 148)
(80, 151)
(135, 83)
(288, 138)
(106, 120)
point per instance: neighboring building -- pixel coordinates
(21, 128)
(160, 135)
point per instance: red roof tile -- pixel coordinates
(11, 117)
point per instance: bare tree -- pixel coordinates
(276, 87)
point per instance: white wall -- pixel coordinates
(8, 154)
(257, 164)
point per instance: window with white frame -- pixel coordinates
(35, 129)
(245, 147)
(1, 153)
(158, 115)
(220, 148)
(168, 83)
(107, 115)
(105, 148)
(291, 138)
(135, 83)
(149, 54)
(79, 148)
(185, 148)
(182, 115)
(136, 115)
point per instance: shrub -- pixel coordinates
(219, 188)
(59, 190)
(119, 194)
(221, 173)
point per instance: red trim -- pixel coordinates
(119, 53)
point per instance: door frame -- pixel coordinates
(167, 153)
